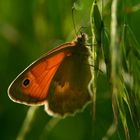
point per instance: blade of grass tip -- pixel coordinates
(95, 22)
(134, 41)
(110, 131)
(106, 52)
(49, 126)
(27, 124)
(121, 108)
(124, 48)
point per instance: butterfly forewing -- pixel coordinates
(31, 86)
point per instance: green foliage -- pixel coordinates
(30, 28)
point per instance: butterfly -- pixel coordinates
(60, 80)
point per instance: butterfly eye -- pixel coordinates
(26, 82)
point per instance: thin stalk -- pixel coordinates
(27, 124)
(116, 68)
(115, 60)
(94, 50)
(96, 27)
(49, 127)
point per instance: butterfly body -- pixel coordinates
(60, 80)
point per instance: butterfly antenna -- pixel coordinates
(73, 21)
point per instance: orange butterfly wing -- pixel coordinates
(31, 86)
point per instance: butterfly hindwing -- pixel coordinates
(69, 90)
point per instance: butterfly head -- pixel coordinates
(82, 38)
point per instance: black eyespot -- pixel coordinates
(26, 82)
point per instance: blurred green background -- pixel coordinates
(28, 29)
